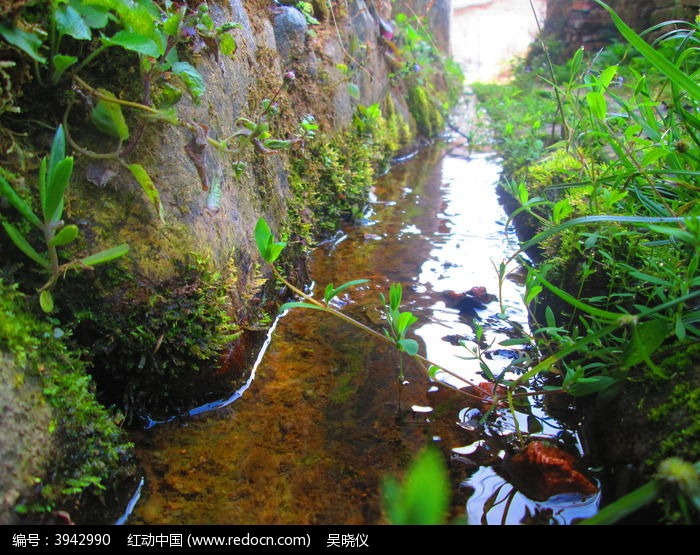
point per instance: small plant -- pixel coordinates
(399, 322)
(307, 9)
(423, 497)
(54, 177)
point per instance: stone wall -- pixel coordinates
(584, 23)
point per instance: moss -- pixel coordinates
(429, 120)
(331, 177)
(148, 342)
(681, 408)
(88, 451)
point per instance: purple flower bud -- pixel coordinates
(290, 76)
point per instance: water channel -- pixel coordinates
(323, 420)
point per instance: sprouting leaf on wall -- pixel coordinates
(191, 78)
(27, 42)
(22, 244)
(143, 179)
(106, 255)
(134, 42)
(108, 117)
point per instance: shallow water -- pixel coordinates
(324, 420)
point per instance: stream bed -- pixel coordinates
(323, 419)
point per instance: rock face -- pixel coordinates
(24, 417)
(584, 23)
(272, 40)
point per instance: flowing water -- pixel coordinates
(325, 420)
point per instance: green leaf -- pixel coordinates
(334, 292)
(67, 235)
(676, 233)
(423, 498)
(408, 346)
(647, 337)
(58, 150)
(171, 25)
(354, 91)
(277, 144)
(580, 387)
(46, 301)
(405, 321)
(510, 342)
(108, 117)
(106, 255)
(23, 245)
(269, 250)
(15, 200)
(29, 43)
(96, 17)
(534, 426)
(168, 115)
(227, 45)
(549, 317)
(274, 250)
(606, 76)
(69, 22)
(433, 370)
(168, 95)
(626, 505)
(532, 292)
(263, 236)
(588, 309)
(134, 42)
(395, 295)
(143, 179)
(56, 185)
(597, 104)
(192, 79)
(60, 64)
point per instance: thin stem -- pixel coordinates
(89, 58)
(560, 106)
(130, 104)
(423, 362)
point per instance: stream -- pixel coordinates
(323, 419)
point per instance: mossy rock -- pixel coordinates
(61, 448)
(650, 421)
(429, 120)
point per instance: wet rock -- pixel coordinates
(457, 339)
(541, 471)
(475, 299)
(290, 29)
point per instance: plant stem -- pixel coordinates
(423, 362)
(130, 104)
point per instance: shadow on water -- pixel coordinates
(325, 420)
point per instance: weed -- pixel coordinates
(54, 177)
